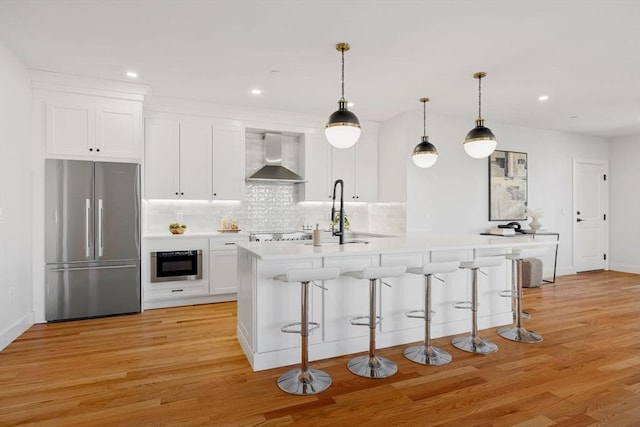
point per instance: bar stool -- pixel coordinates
(372, 366)
(473, 343)
(304, 380)
(426, 354)
(518, 332)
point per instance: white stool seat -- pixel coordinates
(527, 253)
(483, 262)
(435, 268)
(377, 272)
(309, 274)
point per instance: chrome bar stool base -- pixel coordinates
(520, 334)
(304, 382)
(372, 367)
(477, 345)
(427, 355)
(473, 343)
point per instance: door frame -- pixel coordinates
(605, 207)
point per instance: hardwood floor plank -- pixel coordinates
(184, 367)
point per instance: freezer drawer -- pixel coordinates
(82, 291)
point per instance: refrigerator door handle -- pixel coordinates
(107, 267)
(87, 219)
(100, 228)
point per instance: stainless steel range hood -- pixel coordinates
(273, 171)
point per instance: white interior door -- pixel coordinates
(590, 203)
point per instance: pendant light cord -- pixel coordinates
(342, 50)
(479, 98)
(424, 114)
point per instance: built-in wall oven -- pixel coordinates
(170, 266)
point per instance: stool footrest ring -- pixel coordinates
(417, 314)
(357, 320)
(295, 328)
(464, 305)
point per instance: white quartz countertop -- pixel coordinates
(194, 235)
(413, 242)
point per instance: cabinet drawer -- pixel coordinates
(175, 290)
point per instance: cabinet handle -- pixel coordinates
(90, 149)
(177, 290)
(181, 193)
(215, 194)
(176, 193)
(97, 149)
(229, 243)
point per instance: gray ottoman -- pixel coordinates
(531, 273)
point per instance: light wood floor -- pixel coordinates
(183, 366)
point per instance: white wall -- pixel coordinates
(624, 204)
(452, 196)
(16, 313)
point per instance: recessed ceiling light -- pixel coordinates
(543, 98)
(256, 91)
(132, 74)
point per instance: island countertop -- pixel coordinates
(411, 242)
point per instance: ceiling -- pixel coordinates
(584, 55)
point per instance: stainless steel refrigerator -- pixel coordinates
(92, 239)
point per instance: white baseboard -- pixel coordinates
(14, 331)
(565, 271)
(625, 268)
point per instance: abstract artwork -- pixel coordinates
(507, 186)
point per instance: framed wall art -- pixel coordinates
(507, 186)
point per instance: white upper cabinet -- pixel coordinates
(93, 128)
(195, 161)
(317, 165)
(189, 158)
(177, 160)
(227, 163)
(366, 170)
(162, 159)
(357, 166)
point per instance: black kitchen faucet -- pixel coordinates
(340, 232)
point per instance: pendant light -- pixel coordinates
(343, 127)
(425, 153)
(480, 142)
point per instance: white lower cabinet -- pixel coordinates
(179, 292)
(223, 259)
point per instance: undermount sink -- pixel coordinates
(350, 241)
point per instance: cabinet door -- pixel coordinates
(195, 161)
(342, 161)
(366, 170)
(118, 129)
(223, 277)
(70, 126)
(317, 168)
(162, 159)
(228, 164)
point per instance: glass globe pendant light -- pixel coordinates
(343, 127)
(480, 142)
(425, 153)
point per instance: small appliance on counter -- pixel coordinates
(228, 225)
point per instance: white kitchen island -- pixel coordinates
(264, 304)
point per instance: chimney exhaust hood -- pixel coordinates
(273, 171)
